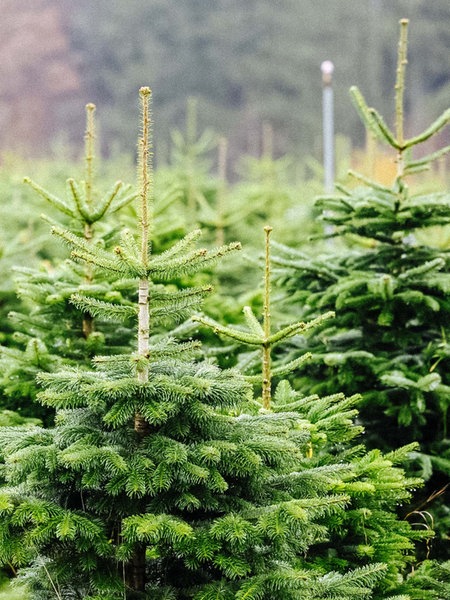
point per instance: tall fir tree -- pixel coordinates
(389, 285)
(368, 529)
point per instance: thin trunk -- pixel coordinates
(402, 61)
(266, 382)
(399, 95)
(87, 325)
(135, 568)
(140, 424)
(266, 360)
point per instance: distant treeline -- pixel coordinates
(248, 63)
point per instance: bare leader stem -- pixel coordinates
(266, 366)
(89, 143)
(222, 173)
(140, 425)
(402, 61)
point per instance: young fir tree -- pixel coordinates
(190, 166)
(148, 486)
(49, 330)
(274, 192)
(260, 335)
(390, 290)
(368, 530)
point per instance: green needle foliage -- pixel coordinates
(23, 237)
(154, 483)
(49, 329)
(261, 335)
(146, 485)
(274, 192)
(190, 168)
(368, 531)
(390, 290)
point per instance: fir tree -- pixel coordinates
(157, 482)
(389, 288)
(368, 530)
(49, 330)
(261, 335)
(147, 486)
(190, 166)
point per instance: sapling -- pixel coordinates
(49, 330)
(369, 529)
(261, 335)
(389, 288)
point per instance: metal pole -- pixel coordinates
(327, 68)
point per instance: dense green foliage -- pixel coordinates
(163, 477)
(49, 331)
(389, 287)
(47, 328)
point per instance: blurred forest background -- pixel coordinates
(247, 62)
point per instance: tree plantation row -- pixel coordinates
(187, 416)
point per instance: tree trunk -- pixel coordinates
(135, 571)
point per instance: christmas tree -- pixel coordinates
(48, 329)
(163, 477)
(368, 529)
(388, 285)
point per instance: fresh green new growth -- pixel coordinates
(261, 335)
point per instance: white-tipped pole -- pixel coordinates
(327, 68)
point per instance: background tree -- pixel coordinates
(48, 331)
(389, 285)
(247, 64)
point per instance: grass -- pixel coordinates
(11, 593)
